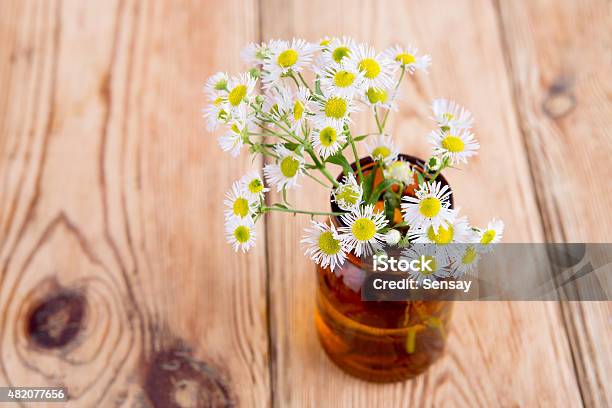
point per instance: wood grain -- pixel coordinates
(115, 278)
(116, 282)
(561, 82)
(496, 349)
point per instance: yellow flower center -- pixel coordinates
(241, 207)
(335, 108)
(453, 144)
(370, 67)
(242, 234)
(328, 244)
(237, 94)
(381, 152)
(340, 53)
(347, 194)
(287, 58)
(375, 95)
(298, 110)
(469, 256)
(289, 166)
(430, 207)
(217, 101)
(444, 235)
(255, 186)
(431, 265)
(344, 79)
(234, 128)
(448, 116)
(487, 237)
(405, 58)
(363, 229)
(328, 136)
(324, 43)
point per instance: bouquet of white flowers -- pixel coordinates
(303, 123)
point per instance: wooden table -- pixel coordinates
(115, 278)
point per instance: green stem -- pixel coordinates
(399, 81)
(294, 211)
(356, 155)
(436, 174)
(280, 125)
(320, 165)
(317, 180)
(380, 128)
(305, 83)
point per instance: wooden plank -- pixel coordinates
(560, 73)
(115, 278)
(496, 350)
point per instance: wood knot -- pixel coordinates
(56, 321)
(175, 379)
(560, 99)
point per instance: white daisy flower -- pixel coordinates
(492, 234)
(232, 141)
(253, 186)
(286, 172)
(337, 50)
(401, 171)
(278, 101)
(341, 79)
(382, 148)
(457, 232)
(239, 204)
(430, 207)
(324, 246)
(240, 90)
(456, 144)
(465, 261)
(282, 103)
(361, 233)
(327, 141)
(434, 264)
(377, 69)
(215, 85)
(408, 58)
(348, 194)
(240, 233)
(215, 115)
(286, 57)
(302, 105)
(449, 114)
(333, 111)
(254, 54)
(381, 97)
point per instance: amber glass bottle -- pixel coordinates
(377, 341)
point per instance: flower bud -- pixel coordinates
(393, 237)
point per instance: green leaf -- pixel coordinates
(379, 189)
(389, 210)
(291, 146)
(279, 205)
(340, 160)
(367, 184)
(318, 87)
(420, 178)
(360, 138)
(401, 224)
